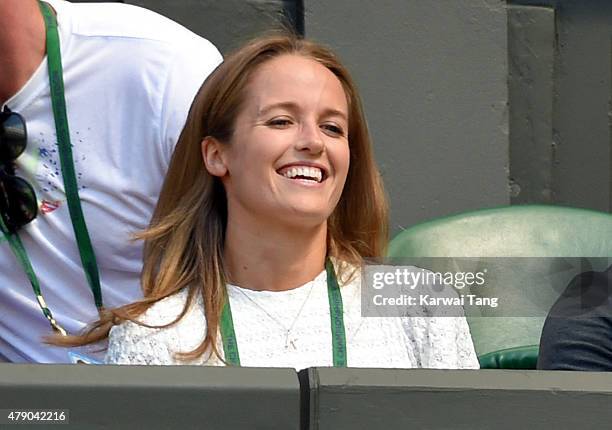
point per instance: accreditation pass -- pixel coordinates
(34, 416)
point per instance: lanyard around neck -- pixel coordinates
(88, 258)
(336, 314)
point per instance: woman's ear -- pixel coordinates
(212, 154)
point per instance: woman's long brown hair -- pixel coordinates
(183, 247)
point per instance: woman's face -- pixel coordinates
(288, 157)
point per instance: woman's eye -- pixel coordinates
(279, 122)
(333, 129)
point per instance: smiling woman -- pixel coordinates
(271, 204)
(288, 157)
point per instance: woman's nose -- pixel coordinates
(310, 138)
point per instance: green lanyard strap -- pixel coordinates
(56, 81)
(24, 261)
(88, 258)
(230, 345)
(336, 313)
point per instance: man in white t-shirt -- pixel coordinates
(129, 75)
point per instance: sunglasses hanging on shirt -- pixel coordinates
(18, 204)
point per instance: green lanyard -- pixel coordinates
(22, 257)
(88, 258)
(228, 335)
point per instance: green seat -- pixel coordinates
(518, 231)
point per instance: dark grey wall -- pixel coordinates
(531, 53)
(433, 78)
(580, 120)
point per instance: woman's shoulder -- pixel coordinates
(170, 308)
(155, 336)
(163, 317)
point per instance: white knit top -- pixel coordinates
(292, 329)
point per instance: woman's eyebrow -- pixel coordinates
(335, 112)
(291, 106)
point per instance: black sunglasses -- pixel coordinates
(18, 204)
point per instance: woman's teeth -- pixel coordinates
(309, 173)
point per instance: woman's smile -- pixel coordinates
(310, 174)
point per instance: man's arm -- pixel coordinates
(577, 334)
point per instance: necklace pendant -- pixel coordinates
(290, 342)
